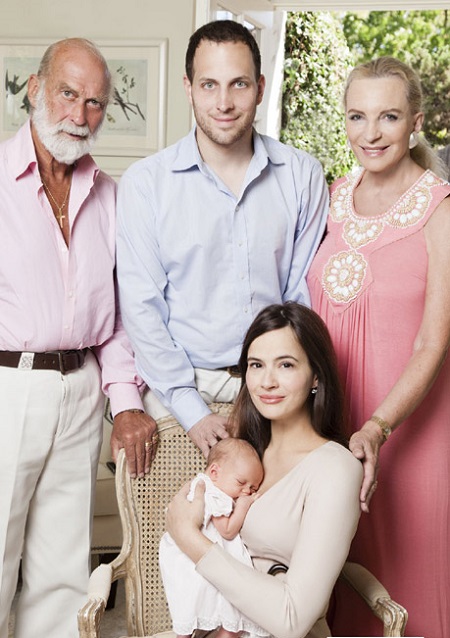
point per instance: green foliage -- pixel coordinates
(374, 33)
(317, 60)
(422, 40)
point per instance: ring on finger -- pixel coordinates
(148, 444)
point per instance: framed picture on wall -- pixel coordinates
(135, 121)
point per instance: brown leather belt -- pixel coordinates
(62, 360)
(233, 371)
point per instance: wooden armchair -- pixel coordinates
(142, 504)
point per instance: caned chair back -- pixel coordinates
(142, 506)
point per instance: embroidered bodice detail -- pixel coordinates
(344, 273)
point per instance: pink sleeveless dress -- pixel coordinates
(368, 283)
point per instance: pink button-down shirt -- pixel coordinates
(55, 297)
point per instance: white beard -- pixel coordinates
(63, 149)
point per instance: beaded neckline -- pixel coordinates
(350, 208)
(406, 212)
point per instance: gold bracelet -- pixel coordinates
(386, 429)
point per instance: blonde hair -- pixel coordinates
(387, 66)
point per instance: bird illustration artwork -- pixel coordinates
(122, 99)
(13, 101)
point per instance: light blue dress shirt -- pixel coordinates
(196, 264)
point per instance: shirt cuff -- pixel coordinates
(124, 396)
(188, 407)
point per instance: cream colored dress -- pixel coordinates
(306, 521)
(193, 602)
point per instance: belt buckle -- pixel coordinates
(26, 361)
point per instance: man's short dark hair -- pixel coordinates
(222, 31)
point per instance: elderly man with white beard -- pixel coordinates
(61, 343)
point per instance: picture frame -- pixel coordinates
(135, 121)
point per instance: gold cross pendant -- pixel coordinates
(61, 218)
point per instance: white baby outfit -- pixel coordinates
(193, 602)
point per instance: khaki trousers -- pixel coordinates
(50, 437)
(212, 385)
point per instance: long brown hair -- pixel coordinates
(325, 407)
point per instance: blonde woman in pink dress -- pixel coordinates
(381, 282)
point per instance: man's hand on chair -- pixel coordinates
(136, 432)
(206, 432)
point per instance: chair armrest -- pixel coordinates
(100, 583)
(90, 615)
(392, 615)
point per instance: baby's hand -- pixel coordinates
(246, 500)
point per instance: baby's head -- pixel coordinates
(234, 467)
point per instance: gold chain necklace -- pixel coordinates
(59, 214)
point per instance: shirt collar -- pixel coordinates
(189, 156)
(24, 156)
(265, 151)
